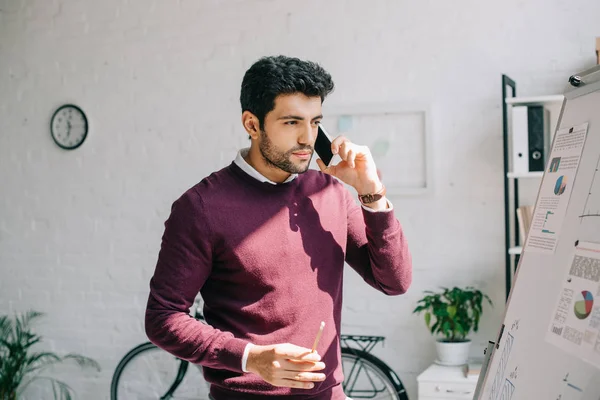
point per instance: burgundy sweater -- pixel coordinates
(268, 261)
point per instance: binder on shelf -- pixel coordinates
(538, 130)
(520, 146)
(530, 138)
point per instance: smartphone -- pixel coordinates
(323, 146)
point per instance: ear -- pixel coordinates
(251, 124)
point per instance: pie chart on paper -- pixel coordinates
(584, 304)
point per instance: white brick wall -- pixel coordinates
(159, 80)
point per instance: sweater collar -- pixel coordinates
(247, 168)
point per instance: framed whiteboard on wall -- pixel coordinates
(399, 137)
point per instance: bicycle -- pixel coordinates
(147, 372)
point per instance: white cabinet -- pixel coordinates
(446, 383)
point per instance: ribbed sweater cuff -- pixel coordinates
(231, 354)
(380, 221)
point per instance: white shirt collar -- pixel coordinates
(247, 168)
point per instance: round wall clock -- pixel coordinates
(69, 126)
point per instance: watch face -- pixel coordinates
(369, 198)
(69, 127)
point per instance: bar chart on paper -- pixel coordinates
(545, 222)
(546, 226)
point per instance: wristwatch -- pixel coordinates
(372, 197)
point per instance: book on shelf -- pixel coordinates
(524, 218)
(473, 368)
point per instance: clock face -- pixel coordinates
(69, 127)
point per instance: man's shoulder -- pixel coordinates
(210, 186)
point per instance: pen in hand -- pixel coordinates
(314, 347)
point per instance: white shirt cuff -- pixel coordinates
(245, 356)
(390, 207)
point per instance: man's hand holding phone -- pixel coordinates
(356, 169)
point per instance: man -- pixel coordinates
(264, 240)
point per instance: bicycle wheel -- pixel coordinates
(149, 373)
(367, 377)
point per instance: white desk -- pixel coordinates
(446, 383)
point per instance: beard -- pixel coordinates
(282, 160)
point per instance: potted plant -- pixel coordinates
(20, 365)
(452, 314)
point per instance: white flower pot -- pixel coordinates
(452, 353)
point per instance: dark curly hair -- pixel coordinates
(272, 76)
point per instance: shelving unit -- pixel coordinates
(512, 242)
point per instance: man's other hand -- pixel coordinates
(286, 365)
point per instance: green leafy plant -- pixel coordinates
(20, 365)
(455, 312)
